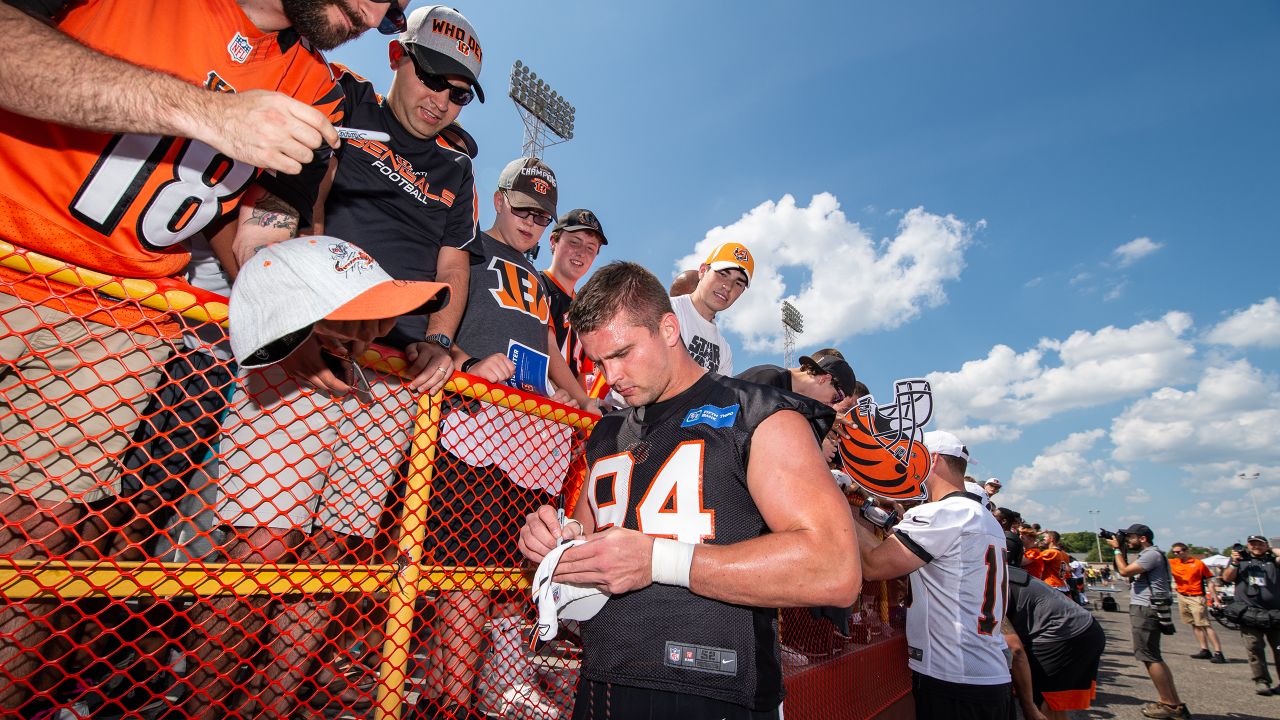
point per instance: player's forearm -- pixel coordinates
(796, 568)
(46, 74)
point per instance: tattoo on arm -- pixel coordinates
(272, 212)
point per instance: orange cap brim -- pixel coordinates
(393, 298)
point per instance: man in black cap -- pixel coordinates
(576, 240)
(828, 379)
(1152, 586)
(1257, 577)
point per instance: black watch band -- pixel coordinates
(439, 339)
(468, 364)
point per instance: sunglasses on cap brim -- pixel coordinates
(394, 22)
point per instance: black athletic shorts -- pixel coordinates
(1064, 674)
(941, 700)
(606, 701)
(1146, 633)
(476, 514)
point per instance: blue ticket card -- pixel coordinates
(531, 368)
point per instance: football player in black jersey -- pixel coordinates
(707, 507)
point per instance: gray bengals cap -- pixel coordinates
(529, 184)
(442, 42)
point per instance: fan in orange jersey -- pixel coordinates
(112, 166)
(1031, 561)
(1055, 559)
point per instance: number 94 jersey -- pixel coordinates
(678, 469)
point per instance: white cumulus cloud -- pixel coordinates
(1135, 250)
(1257, 324)
(837, 275)
(1232, 415)
(1084, 370)
(1067, 466)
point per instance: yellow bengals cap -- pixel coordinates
(732, 255)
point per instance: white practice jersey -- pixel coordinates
(702, 338)
(958, 598)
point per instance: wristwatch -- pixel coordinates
(439, 339)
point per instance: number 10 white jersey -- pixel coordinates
(958, 598)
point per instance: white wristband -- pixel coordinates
(671, 561)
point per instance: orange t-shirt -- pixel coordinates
(123, 204)
(1053, 560)
(1032, 563)
(1190, 574)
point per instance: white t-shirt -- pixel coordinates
(958, 597)
(702, 338)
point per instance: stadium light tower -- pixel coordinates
(792, 325)
(547, 116)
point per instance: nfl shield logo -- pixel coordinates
(239, 48)
(675, 654)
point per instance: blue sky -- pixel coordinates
(1063, 215)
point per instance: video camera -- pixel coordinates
(1105, 534)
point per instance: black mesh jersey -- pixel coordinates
(403, 200)
(570, 346)
(678, 469)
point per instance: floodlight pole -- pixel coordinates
(792, 325)
(1097, 539)
(548, 118)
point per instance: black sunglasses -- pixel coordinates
(538, 218)
(435, 83)
(394, 21)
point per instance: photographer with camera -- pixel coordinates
(1150, 611)
(1257, 605)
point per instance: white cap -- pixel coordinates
(992, 481)
(562, 601)
(287, 287)
(944, 443)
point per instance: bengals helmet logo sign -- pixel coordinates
(541, 186)
(740, 254)
(882, 447)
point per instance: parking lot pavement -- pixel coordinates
(1212, 692)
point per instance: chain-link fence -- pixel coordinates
(183, 539)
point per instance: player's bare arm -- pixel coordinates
(810, 556)
(565, 381)
(47, 75)
(884, 560)
(1020, 670)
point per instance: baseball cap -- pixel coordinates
(581, 219)
(733, 255)
(558, 601)
(529, 184)
(287, 287)
(993, 481)
(1257, 538)
(1139, 529)
(834, 366)
(944, 443)
(442, 42)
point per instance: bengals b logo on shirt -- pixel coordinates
(519, 289)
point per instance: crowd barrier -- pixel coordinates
(181, 539)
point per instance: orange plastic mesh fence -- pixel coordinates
(183, 539)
